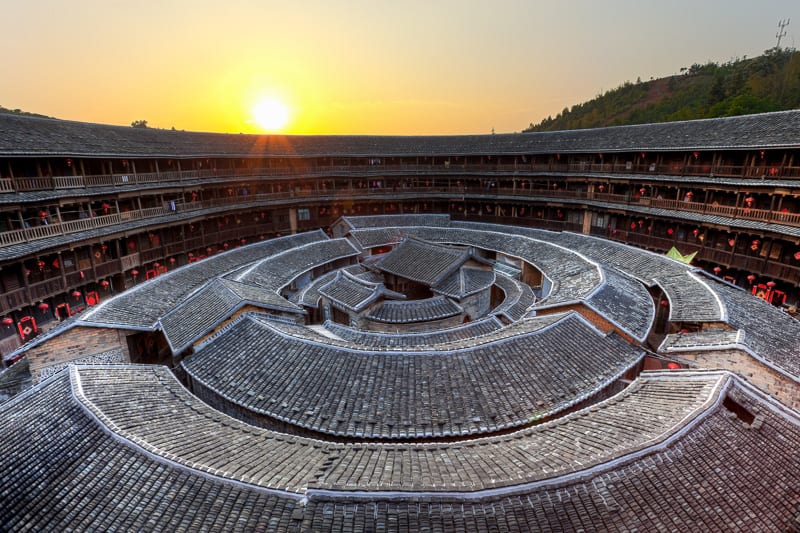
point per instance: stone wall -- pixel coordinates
(774, 383)
(80, 344)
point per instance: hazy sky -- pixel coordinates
(359, 66)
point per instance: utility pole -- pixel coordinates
(781, 32)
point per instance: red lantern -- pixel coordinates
(190, 254)
(664, 303)
(771, 284)
(672, 365)
(156, 265)
(797, 255)
(40, 264)
(670, 231)
(105, 283)
(172, 260)
(642, 191)
(261, 238)
(225, 245)
(755, 244)
(731, 242)
(7, 321)
(131, 245)
(633, 225)
(43, 306)
(695, 232)
(244, 241)
(717, 270)
(76, 294)
(601, 188)
(134, 272)
(208, 250)
(751, 278)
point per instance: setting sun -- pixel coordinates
(271, 114)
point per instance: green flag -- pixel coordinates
(675, 254)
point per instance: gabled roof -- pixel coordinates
(422, 261)
(465, 282)
(353, 293)
(211, 305)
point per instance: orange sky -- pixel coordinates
(358, 67)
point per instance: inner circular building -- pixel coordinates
(264, 333)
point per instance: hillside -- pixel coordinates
(770, 82)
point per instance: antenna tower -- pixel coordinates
(781, 32)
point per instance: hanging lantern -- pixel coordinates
(190, 254)
(244, 241)
(672, 365)
(76, 294)
(225, 245)
(156, 265)
(208, 250)
(134, 272)
(7, 321)
(751, 278)
(717, 270)
(131, 245)
(633, 225)
(43, 306)
(105, 283)
(695, 232)
(670, 231)
(664, 303)
(771, 284)
(601, 188)
(731, 242)
(642, 191)
(755, 244)
(172, 260)
(40, 264)
(261, 238)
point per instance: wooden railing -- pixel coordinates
(24, 184)
(451, 193)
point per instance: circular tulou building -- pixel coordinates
(587, 330)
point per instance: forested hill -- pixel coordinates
(770, 82)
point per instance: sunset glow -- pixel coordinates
(355, 67)
(271, 115)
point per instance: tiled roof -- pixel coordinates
(465, 282)
(702, 340)
(691, 298)
(210, 305)
(407, 312)
(279, 270)
(361, 393)
(62, 469)
(468, 333)
(30, 136)
(351, 293)
(142, 306)
(625, 302)
(89, 451)
(518, 297)
(572, 276)
(423, 262)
